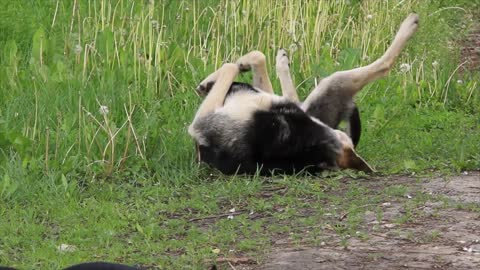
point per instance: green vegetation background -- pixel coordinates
(96, 97)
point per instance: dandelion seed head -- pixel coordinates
(405, 67)
(78, 49)
(293, 47)
(155, 24)
(459, 81)
(369, 17)
(103, 110)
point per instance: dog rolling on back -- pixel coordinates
(246, 128)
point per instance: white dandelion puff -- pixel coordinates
(293, 47)
(369, 17)
(78, 49)
(122, 31)
(459, 81)
(103, 110)
(66, 248)
(155, 24)
(405, 67)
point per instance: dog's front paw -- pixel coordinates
(249, 60)
(204, 87)
(282, 62)
(409, 26)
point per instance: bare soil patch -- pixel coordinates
(470, 51)
(438, 237)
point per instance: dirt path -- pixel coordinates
(470, 51)
(442, 231)
(440, 238)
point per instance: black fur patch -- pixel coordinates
(282, 139)
(239, 87)
(235, 87)
(355, 125)
(286, 139)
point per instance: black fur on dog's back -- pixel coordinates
(282, 139)
(287, 139)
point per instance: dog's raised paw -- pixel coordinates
(206, 85)
(242, 67)
(203, 88)
(251, 59)
(409, 25)
(282, 61)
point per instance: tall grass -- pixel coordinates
(103, 87)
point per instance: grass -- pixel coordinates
(120, 182)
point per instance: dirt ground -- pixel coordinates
(441, 238)
(470, 51)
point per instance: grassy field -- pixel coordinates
(96, 96)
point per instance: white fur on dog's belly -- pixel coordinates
(241, 105)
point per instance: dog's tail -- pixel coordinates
(355, 126)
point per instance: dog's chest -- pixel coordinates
(242, 105)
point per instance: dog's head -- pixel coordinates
(348, 158)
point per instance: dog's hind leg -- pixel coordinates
(283, 73)
(332, 98)
(256, 61)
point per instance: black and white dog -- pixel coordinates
(243, 128)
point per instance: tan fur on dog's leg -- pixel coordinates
(283, 73)
(359, 77)
(352, 81)
(215, 98)
(256, 61)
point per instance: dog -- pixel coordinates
(244, 128)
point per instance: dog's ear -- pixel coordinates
(349, 159)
